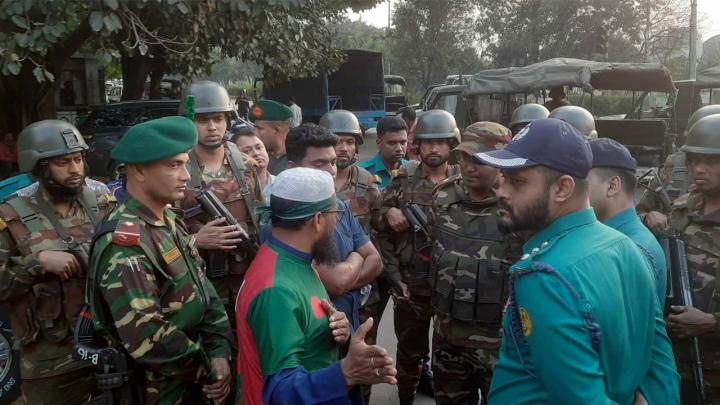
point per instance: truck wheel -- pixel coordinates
(9, 361)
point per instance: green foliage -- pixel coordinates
(434, 38)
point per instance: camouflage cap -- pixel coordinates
(269, 110)
(484, 136)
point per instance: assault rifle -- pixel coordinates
(680, 293)
(215, 209)
(418, 220)
(115, 374)
(660, 190)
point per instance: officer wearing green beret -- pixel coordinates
(272, 123)
(42, 272)
(147, 285)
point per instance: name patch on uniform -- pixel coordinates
(171, 255)
(526, 321)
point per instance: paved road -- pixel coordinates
(385, 394)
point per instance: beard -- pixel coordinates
(434, 160)
(534, 218)
(344, 162)
(59, 192)
(214, 145)
(325, 252)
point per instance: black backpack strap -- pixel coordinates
(195, 182)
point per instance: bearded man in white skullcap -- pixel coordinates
(288, 332)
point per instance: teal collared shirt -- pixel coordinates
(376, 166)
(593, 277)
(628, 223)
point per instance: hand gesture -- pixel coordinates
(339, 324)
(367, 364)
(216, 236)
(689, 321)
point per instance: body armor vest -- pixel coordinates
(469, 263)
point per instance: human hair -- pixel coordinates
(581, 184)
(390, 124)
(407, 113)
(627, 177)
(281, 204)
(300, 138)
(241, 130)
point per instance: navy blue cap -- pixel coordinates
(546, 142)
(609, 153)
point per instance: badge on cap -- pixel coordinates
(256, 112)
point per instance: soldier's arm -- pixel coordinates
(572, 375)
(386, 237)
(128, 285)
(16, 272)
(215, 330)
(393, 197)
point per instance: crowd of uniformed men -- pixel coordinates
(527, 258)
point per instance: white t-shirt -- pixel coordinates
(297, 116)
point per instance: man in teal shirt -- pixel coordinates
(612, 189)
(392, 145)
(582, 323)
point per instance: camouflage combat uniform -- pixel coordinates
(701, 234)
(149, 292)
(468, 274)
(239, 197)
(43, 308)
(362, 195)
(406, 259)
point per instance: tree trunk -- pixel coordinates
(135, 69)
(156, 84)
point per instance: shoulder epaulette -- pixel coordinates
(127, 231)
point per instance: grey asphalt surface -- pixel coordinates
(386, 394)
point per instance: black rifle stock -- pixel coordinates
(215, 209)
(680, 293)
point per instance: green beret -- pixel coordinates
(156, 140)
(268, 110)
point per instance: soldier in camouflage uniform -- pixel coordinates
(40, 276)
(406, 253)
(675, 177)
(468, 270)
(147, 286)
(219, 166)
(359, 189)
(696, 217)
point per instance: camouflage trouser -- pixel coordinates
(460, 371)
(412, 326)
(72, 388)
(374, 311)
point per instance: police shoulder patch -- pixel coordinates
(525, 321)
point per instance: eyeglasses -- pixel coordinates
(337, 211)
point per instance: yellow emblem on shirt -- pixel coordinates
(526, 321)
(3, 225)
(171, 255)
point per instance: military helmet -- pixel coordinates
(210, 97)
(704, 136)
(46, 139)
(527, 113)
(342, 122)
(437, 124)
(578, 117)
(702, 113)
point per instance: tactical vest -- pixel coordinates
(356, 194)
(416, 253)
(469, 261)
(242, 209)
(51, 311)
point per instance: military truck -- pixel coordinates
(357, 86)
(693, 94)
(641, 94)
